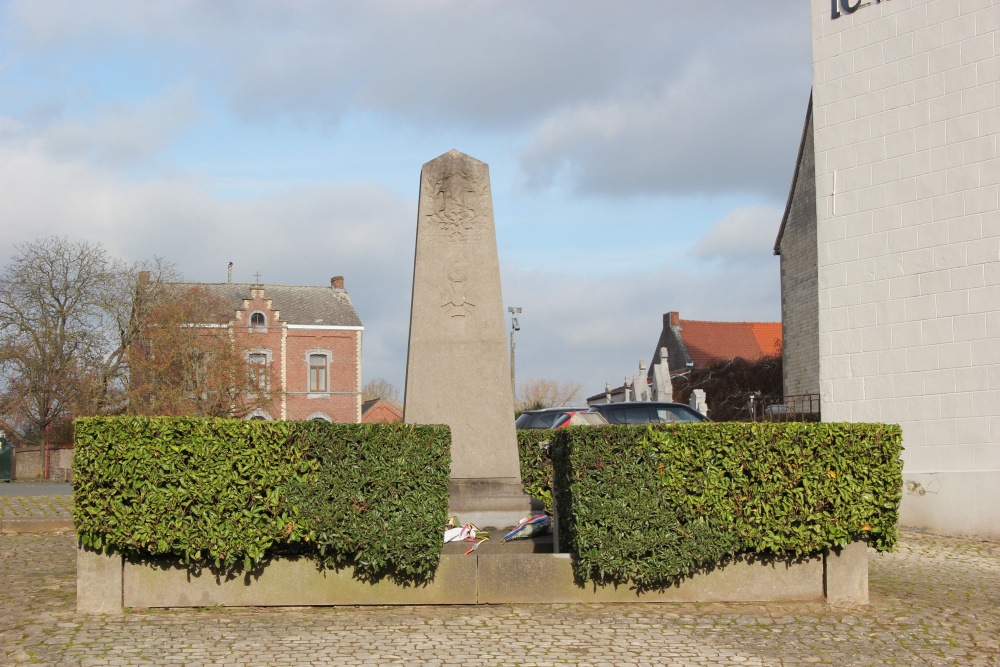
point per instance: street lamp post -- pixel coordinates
(514, 326)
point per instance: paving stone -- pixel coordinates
(934, 601)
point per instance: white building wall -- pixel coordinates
(908, 232)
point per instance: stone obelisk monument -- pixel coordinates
(457, 370)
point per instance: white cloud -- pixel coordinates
(302, 235)
(596, 329)
(117, 134)
(625, 100)
(630, 97)
(745, 234)
(123, 133)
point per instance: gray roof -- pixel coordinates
(303, 305)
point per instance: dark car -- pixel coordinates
(645, 412)
(546, 417)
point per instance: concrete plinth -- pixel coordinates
(491, 576)
(291, 583)
(490, 504)
(846, 575)
(98, 582)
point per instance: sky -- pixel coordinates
(640, 153)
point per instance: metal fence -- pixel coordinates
(800, 408)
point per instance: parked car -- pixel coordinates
(645, 412)
(547, 417)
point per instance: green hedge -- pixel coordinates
(379, 497)
(649, 504)
(536, 464)
(230, 492)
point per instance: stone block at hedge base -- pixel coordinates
(486, 578)
(847, 575)
(546, 578)
(98, 582)
(291, 583)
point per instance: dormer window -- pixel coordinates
(258, 323)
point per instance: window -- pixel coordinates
(258, 369)
(317, 373)
(258, 322)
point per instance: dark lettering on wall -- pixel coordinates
(837, 6)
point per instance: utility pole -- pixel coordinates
(514, 326)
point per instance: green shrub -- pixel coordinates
(231, 492)
(378, 498)
(650, 503)
(536, 464)
(200, 489)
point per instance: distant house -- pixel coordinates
(687, 344)
(309, 338)
(381, 410)
(698, 343)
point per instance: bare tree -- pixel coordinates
(545, 393)
(379, 388)
(72, 323)
(186, 359)
(53, 329)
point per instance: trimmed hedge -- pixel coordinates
(536, 463)
(378, 499)
(231, 492)
(649, 504)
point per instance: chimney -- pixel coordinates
(229, 278)
(672, 319)
(337, 282)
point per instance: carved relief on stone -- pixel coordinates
(454, 198)
(454, 297)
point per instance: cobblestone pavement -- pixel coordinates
(36, 507)
(935, 601)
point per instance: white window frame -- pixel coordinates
(256, 328)
(325, 393)
(268, 358)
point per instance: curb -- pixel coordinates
(35, 525)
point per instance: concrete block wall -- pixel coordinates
(29, 463)
(908, 241)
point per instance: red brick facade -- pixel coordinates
(379, 411)
(310, 338)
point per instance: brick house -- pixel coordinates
(310, 339)
(697, 343)
(687, 344)
(380, 411)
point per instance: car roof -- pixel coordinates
(646, 403)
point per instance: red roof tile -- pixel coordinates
(712, 341)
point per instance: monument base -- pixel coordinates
(491, 502)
